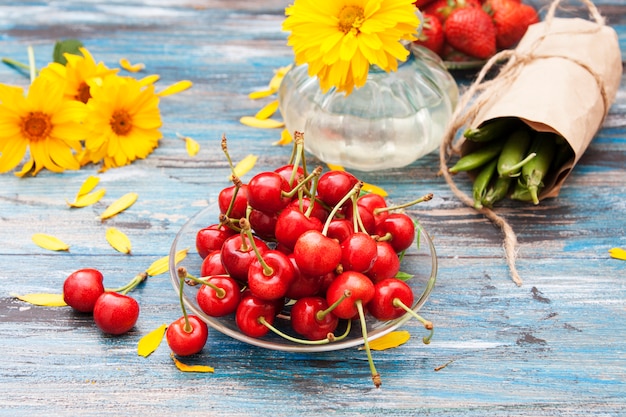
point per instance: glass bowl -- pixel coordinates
(420, 261)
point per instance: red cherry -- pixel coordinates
(302, 285)
(359, 286)
(239, 206)
(220, 297)
(386, 291)
(115, 313)
(212, 238)
(358, 252)
(303, 204)
(371, 202)
(263, 224)
(340, 229)
(387, 263)
(187, 342)
(237, 255)
(212, 264)
(401, 229)
(310, 319)
(249, 311)
(292, 223)
(82, 288)
(334, 185)
(286, 171)
(367, 217)
(270, 279)
(266, 192)
(316, 254)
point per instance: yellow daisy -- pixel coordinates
(42, 123)
(340, 39)
(123, 122)
(77, 73)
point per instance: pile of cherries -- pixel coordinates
(311, 247)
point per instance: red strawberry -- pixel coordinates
(471, 31)
(511, 20)
(443, 8)
(432, 34)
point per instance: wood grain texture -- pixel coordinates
(554, 346)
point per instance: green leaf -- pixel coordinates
(69, 46)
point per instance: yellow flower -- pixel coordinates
(42, 123)
(77, 74)
(340, 39)
(123, 121)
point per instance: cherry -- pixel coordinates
(366, 218)
(212, 264)
(340, 229)
(82, 288)
(398, 229)
(287, 172)
(334, 185)
(304, 205)
(268, 191)
(292, 223)
(219, 295)
(312, 318)
(358, 252)
(270, 275)
(263, 224)
(372, 203)
(187, 335)
(385, 292)
(302, 285)
(212, 238)
(316, 254)
(233, 200)
(237, 255)
(387, 263)
(361, 290)
(115, 313)
(249, 312)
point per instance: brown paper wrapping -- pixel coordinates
(566, 76)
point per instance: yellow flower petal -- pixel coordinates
(119, 205)
(88, 185)
(161, 265)
(150, 342)
(118, 240)
(49, 242)
(261, 123)
(125, 64)
(268, 110)
(333, 167)
(618, 253)
(245, 165)
(191, 368)
(277, 79)
(261, 94)
(390, 340)
(88, 199)
(192, 146)
(149, 79)
(43, 299)
(285, 138)
(371, 188)
(175, 88)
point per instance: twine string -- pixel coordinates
(479, 93)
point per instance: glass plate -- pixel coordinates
(420, 261)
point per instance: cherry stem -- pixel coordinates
(237, 182)
(245, 228)
(422, 199)
(296, 156)
(311, 198)
(428, 325)
(225, 150)
(354, 191)
(316, 173)
(366, 344)
(323, 313)
(131, 285)
(219, 291)
(182, 274)
(329, 338)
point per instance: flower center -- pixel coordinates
(351, 18)
(121, 122)
(36, 126)
(83, 93)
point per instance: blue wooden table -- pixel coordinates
(553, 346)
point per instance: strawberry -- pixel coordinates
(443, 8)
(471, 31)
(432, 34)
(511, 20)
